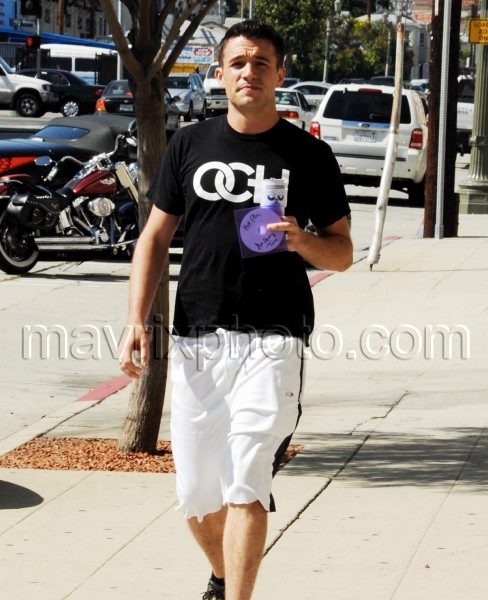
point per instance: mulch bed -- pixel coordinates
(81, 454)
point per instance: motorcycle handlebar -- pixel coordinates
(54, 171)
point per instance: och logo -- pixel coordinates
(224, 182)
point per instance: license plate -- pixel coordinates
(126, 108)
(365, 137)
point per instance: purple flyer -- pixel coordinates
(254, 238)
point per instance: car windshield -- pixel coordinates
(466, 90)
(59, 132)
(288, 98)
(117, 88)
(180, 83)
(364, 106)
(211, 71)
(6, 66)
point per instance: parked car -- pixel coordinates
(292, 106)
(419, 85)
(189, 94)
(81, 137)
(27, 96)
(290, 81)
(313, 91)
(75, 96)
(465, 112)
(354, 119)
(382, 80)
(214, 92)
(118, 98)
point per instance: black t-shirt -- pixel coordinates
(207, 173)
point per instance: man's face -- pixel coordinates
(249, 73)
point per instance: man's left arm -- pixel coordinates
(330, 249)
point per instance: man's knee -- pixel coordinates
(251, 508)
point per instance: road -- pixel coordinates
(11, 125)
(362, 199)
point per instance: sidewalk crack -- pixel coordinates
(337, 474)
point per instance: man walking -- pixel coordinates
(242, 313)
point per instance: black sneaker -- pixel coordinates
(214, 591)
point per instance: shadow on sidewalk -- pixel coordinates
(17, 496)
(452, 456)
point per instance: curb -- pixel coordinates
(50, 422)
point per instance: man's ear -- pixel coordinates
(218, 73)
(281, 76)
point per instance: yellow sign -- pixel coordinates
(478, 31)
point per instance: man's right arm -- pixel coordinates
(147, 267)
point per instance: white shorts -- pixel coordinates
(235, 405)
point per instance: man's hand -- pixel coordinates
(330, 249)
(294, 235)
(134, 351)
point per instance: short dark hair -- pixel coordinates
(255, 30)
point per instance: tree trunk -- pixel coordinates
(144, 60)
(141, 427)
(60, 18)
(142, 422)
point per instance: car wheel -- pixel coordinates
(70, 107)
(29, 105)
(189, 115)
(203, 115)
(416, 193)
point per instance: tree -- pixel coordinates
(149, 59)
(302, 25)
(232, 8)
(356, 49)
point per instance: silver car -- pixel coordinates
(314, 91)
(189, 94)
(292, 106)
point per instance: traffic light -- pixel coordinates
(33, 42)
(31, 8)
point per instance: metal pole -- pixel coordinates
(38, 51)
(120, 66)
(441, 154)
(473, 191)
(250, 9)
(327, 43)
(388, 50)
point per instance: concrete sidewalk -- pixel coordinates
(386, 501)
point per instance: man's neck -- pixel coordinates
(251, 124)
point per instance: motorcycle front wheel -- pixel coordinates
(18, 251)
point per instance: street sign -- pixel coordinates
(478, 31)
(19, 23)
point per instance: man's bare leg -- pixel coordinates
(244, 539)
(210, 534)
(238, 533)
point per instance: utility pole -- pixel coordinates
(61, 17)
(450, 207)
(325, 74)
(473, 191)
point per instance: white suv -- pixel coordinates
(465, 112)
(214, 91)
(29, 97)
(354, 119)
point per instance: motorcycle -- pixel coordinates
(96, 211)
